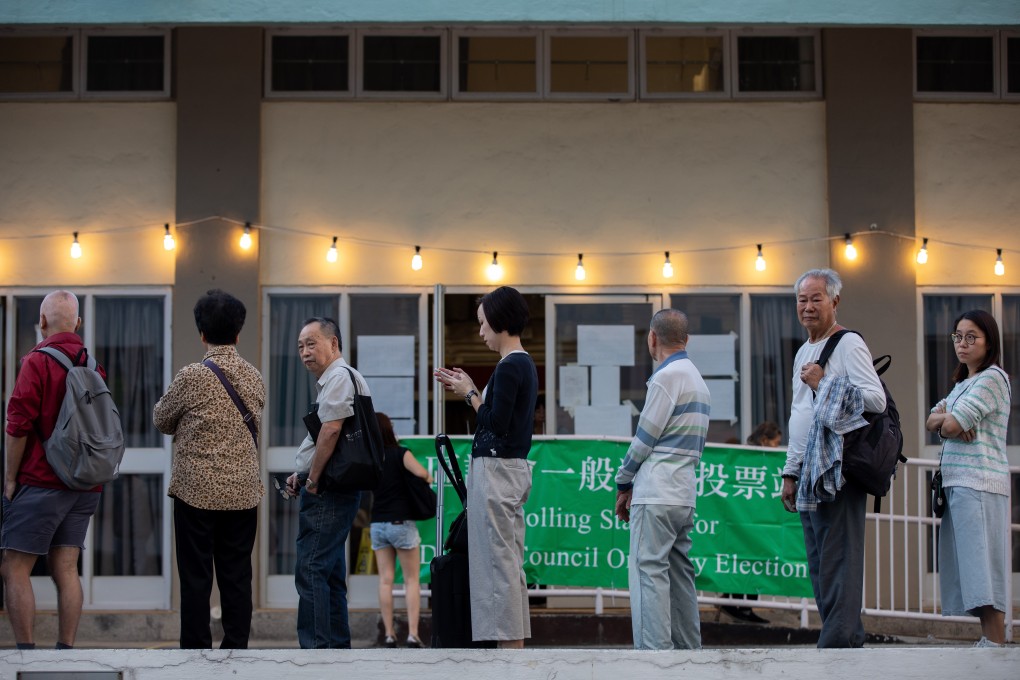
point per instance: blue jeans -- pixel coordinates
(834, 539)
(324, 521)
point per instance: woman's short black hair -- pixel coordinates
(389, 437)
(506, 310)
(219, 317)
(986, 322)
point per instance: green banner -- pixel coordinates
(743, 541)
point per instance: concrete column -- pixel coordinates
(870, 147)
(218, 89)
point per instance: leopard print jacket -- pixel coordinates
(215, 463)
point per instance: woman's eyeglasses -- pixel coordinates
(968, 339)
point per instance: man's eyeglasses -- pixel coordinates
(968, 339)
(282, 488)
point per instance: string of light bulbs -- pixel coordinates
(495, 270)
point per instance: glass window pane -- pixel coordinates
(128, 527)
(282, 526)
(715, 323)
(292, 387)
(955, 64)
(131, 345)
(36, 63)
(635, 317)
(1013, 65)
(683, 64)
(589, 64)
(1011, 361)
(125, 63)
(402, 63)
(776, 63)
(940, 311)
(390, 366)
(497, 64)
(775, 337)
(310, 63)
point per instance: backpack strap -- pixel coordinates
(65, 361)
(830, 346)
(249, 419)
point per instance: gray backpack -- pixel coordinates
(87, 443)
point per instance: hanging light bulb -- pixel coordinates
(759, 262)
(667, 267)
(416, 259)
(495, 270)
(76, 247)
(851, 252)
(922, 254)
(1000, 269)
(579, 272)
(168, 239)
(246, 236)
(331, 254)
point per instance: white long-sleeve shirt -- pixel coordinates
(851, 358)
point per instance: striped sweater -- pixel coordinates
(662, 461)
(979, 403)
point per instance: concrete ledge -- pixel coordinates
(535, 664)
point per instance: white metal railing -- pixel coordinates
(901, 570)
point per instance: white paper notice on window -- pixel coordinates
(386, 355)
(573, 386)
(605, 345)
(724, 400)
(392, 396)
(610, 421)
(714, 354)
(605, 385)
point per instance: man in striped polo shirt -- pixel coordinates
(656, 492)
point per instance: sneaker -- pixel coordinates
(985, 642)
(390, 642)
(413, 642)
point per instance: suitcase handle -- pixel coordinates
(444, 453)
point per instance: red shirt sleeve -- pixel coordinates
(25, 403)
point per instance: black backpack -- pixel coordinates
(871, 452)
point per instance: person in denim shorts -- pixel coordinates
(42, 516)
(395, 534)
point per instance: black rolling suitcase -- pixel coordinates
(451, 590)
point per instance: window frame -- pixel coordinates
(295, 32)
(409, 32)
(630, 95)
(454, 66)
(814, 33)
(76, 85)
(642, 67)
(1003, 65)
(997, 55)
(133, 95)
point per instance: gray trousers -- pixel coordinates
(834, 538)
(663, 599)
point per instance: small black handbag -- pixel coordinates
(421, 499)
(357, 460)
(938, 495)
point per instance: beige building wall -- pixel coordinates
(86, 167)
(542, 178)
(967, 170)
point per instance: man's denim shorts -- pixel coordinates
(39, 519)
(403, 536)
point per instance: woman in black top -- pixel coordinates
(395, 535)
(499, 479)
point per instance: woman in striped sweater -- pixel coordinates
(972, 423)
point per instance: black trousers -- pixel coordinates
(224, 539)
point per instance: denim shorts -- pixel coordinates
(39, 519)
(403, 536)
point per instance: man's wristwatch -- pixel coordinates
(311, 484)
(467, 397)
